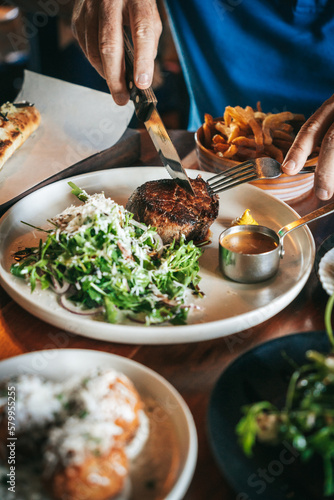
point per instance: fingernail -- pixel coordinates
(322, 194)
(289, 165)
(143, 79)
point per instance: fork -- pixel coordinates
(259, 168)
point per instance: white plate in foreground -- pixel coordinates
(227, 307)
(170, 412)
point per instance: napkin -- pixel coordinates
(76, 122)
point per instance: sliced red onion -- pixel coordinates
(57, 288)
(138, 224)
(169, 302)
(71, 307)
(157, 238)
(165, 300)
(125, 253)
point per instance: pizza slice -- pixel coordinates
(16, 125)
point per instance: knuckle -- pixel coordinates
(329, 139)
(322, 178)
(296, 149)
(144, 32)
(324, 181)
(311, 126)
(107, 47)
(324, 174)
(325, 170)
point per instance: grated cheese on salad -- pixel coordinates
(108, 263)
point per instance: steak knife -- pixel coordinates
(145, 103)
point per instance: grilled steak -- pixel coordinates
(172, 211)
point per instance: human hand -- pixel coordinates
(318, 128)
(98, 27)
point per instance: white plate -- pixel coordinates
(227, 307)
(60, 364)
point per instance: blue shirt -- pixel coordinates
(238, 52)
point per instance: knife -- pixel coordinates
(145, 103)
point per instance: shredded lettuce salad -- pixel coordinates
(100, 260)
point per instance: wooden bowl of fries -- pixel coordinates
(245, 133)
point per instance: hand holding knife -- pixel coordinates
(145, 103)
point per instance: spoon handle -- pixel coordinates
(316, 214)
(308, 169)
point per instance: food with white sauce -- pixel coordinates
(16, 125)
(92, 428)
(38, 405)
(100, 260)
(37, 408)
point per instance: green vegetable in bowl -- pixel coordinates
(307, 419)
(100, 260)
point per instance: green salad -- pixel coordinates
(307, 419)
(100, 260)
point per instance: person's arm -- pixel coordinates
(318, 128)
(98, 27)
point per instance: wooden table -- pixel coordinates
(192, 368)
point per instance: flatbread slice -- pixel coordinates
(20, 124)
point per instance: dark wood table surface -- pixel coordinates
(192, 368)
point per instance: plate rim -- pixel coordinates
(152, 334)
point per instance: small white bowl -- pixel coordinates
(326, 271)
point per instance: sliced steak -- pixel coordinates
(172, 211)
